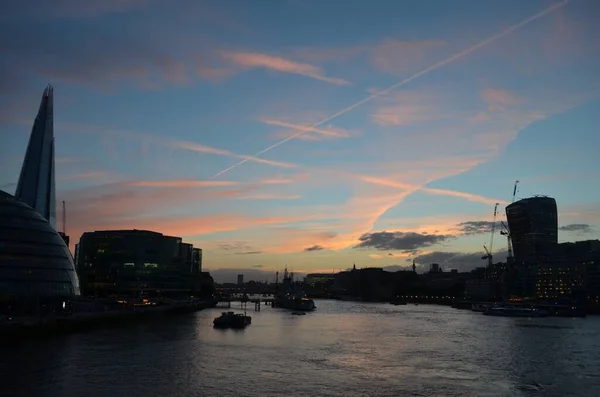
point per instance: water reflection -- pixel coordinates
(342, 349)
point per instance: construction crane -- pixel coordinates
(488, 253)
(506, 232)
(515, 191)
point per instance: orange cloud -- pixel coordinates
(442, 192)
(303, 176)
(258, 60)
(131, 205)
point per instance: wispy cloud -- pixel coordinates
(275, 63)
(408, 108)
(401, 57)
(270, 197)
(500, 99)
(452, 58)
(310, 133)
(86, 176)
(182, 183)
(166, 142)
(441, 192)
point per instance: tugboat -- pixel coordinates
(291, 296)
(232, 320)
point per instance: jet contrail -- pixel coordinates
(406, 80)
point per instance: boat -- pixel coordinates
(232, 320)
(292, 296)
(479, 307)
(514, 311)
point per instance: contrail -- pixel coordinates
(406, 80)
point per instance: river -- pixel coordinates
(342, 349)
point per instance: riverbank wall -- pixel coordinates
(20, 328)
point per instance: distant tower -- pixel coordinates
(414, 267)
(354, 267)
(36, 186)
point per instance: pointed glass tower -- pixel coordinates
(36, 186)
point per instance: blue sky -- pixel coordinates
(153, 101)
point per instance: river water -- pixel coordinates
(342, 349)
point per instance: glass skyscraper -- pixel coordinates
(36, 186)
(533, 225)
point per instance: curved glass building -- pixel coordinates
(533, 225)
(35, 263)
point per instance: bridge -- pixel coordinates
(245, 290)
(224, 300)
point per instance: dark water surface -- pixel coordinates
(342, 349)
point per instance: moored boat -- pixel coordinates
(514, 311)
(292, 296)
(232, 320)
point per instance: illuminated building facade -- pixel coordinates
(135, 263)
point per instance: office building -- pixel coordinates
(240, 279)
(135, 263)
(533, 225)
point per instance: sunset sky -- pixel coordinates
(162, 108)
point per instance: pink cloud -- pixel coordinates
(409, 108)
(270, 197)
(401, 57)
(310, 133)
(182, 183)
(258, 60)
(390, 56)
(135, 205)
(499, 98)
(146, 139)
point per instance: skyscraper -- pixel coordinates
(36, 186)
(533, 225)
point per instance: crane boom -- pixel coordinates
(506, 232)
(515, 191)
(490, 260)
